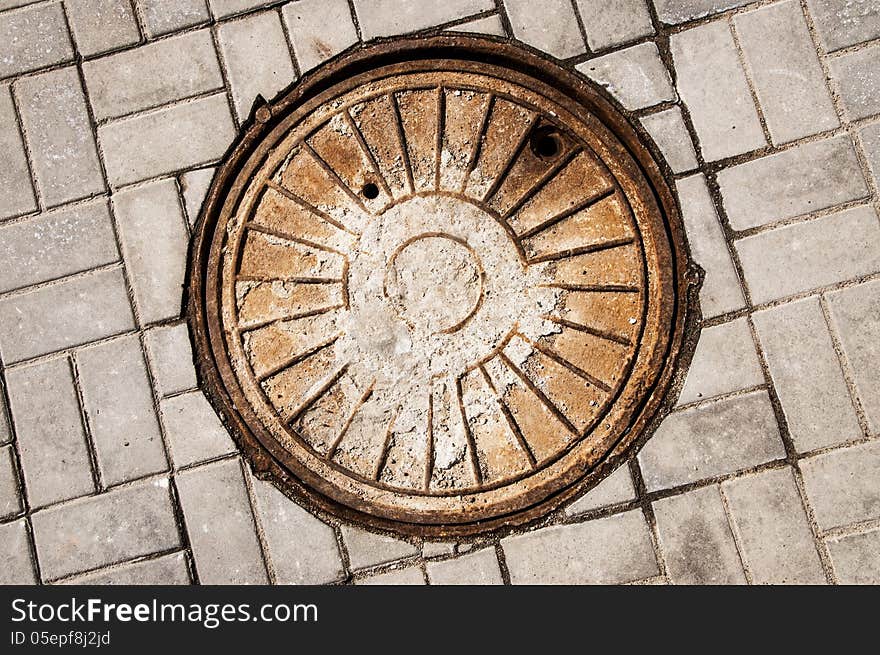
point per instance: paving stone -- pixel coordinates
(173, 138)
(616, 488)
(16, 566)
(195, 434)
(165, 570)
(487, 25)
(717, 438)
(806, 374)
(67, 314)
(118, 403)
(302, 548)
(153, 75)
(785, 70)
(436, 549)
(101, 530)
(713, 85)
(721, 291)
(5, 433)
(171, 358)
(10, 499)
(220, 524)
(12, 4)
(610, 550)
(391, 17)
(307, 22)
(55, 244)
(724, 361)
(101, 25)
(669, 132)
(223, 8)
(550, 26)
(610, 24)
(815, 253)
(857, 75)
(166, 16)
(800, 180)
(845, 23)
(696, 540)
(842, 485)
(15, 178)
(855, 558)
(410, 576)
(870, 136)
(154, 240)
(680, 11)
(51, 440)
(195, 185)
(773, 532)
(33, 37)
(634, 76)
(257, 59)
(479, 568)
(369, 549)
(62, 145)
(855, 313)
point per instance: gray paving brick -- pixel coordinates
(153, 74)
(33, 37)
(154, 240)
(806, 374)
(62, 145)
(729, 349)
(58, 316)
(164, 570)
(302, 548)
(307, 23)
(220, 524)
(223, 8)
(369, 549)
(550, 26)
(815, 253)
(16, 566)
(634, 76)
(680, 11)
(101, 25)
(611, 24)
(717, 438)
(171, 358)
(785, 70)
(437, 548)
(479, 568)
(257, 59)
(166, 16)
(713, 85)
(52, 245)
(855, 558)
(800, 180)
(411, 576)
(870, 136)
(195, 185)
(604, 551)
(48, 424)
(855, 313)
(773, 532)
(721, 291)
(696, 540)
(391, 17)
(10, 499)
(112, 527)
(487, 25)
(166, 140)
(118, 402)
(15, 178)
(5, 433)
(842, 485)
(12, 4)
(857, 76)
(195, 434)
(845, 23)
(669, 132)
(616, 488)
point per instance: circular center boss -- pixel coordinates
(439, 287)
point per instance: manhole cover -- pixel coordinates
(438, 287)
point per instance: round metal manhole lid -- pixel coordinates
(438, 287)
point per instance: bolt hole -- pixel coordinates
(370, 191)
(545, 143)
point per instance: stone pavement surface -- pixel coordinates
(113, 466)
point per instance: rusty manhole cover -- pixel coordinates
(438, 287)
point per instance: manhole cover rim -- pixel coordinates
(219, 380)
